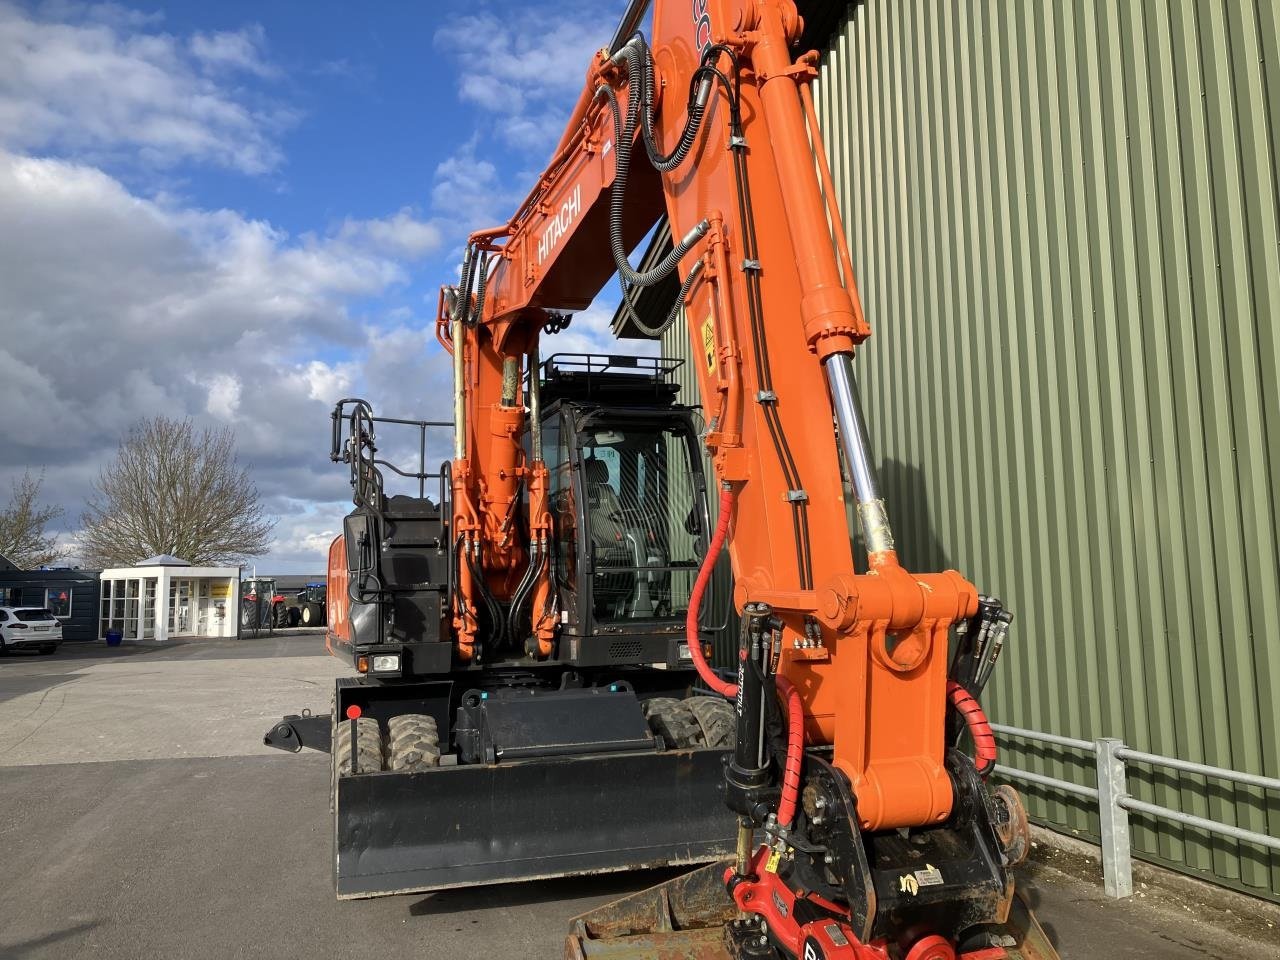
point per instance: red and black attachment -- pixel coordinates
(819, 886)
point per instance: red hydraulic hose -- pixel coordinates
(722, 687)
(984, 740)
(795, 751)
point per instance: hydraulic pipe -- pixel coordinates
(872, 514)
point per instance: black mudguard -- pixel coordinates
(477, 824)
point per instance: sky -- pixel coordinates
(241, 212)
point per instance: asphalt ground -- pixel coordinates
(141, 817)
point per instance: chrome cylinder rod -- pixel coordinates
(510, 380)
(535, 406)
(629, 23)
(459, 396)
(872, 515)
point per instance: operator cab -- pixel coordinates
(629, 508)
(628, 499)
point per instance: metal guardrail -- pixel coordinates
(1115, 802)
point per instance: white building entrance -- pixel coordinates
(164, 597)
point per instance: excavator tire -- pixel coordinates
(413, 742)
(716, 720)
(368, 752)
(674, 722)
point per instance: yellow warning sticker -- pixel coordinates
(709, 344)
(771, 865)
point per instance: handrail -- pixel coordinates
(1045, 737)
(1188, 766)
(1115, 802)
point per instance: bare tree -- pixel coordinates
(24, 537)
(175, 490)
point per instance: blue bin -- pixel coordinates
(114, 637)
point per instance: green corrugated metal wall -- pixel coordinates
(1064, 220)
(1064, 223)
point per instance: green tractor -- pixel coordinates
(308, 608)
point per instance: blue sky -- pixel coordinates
(238, 212)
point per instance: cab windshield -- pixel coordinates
(644, 519)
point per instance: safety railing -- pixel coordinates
(1115, 802)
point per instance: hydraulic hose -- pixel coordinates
(984, 740)
(624, 133)
(709, 677)
(795, 751)
(640, 77)
(676, 307)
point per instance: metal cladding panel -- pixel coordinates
(1064, 223)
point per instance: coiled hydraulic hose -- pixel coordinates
(709, 676)
(795, 751)
(640, 78)
(624, 133)
(663, 327)
(984, 740)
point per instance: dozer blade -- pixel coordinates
(1030, 942)
(686, 918)
(528, 819)
(682, 919)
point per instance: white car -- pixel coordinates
(29, 628)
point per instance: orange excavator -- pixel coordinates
(880, 838)
(857, 826)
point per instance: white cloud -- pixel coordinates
(469, 192)
(242, 50)
(400, 234)
(119, 307)
(302, 538)
(526, 66)
(326, 382)
(224, 396)
(94, 79)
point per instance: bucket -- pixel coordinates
(114, 636)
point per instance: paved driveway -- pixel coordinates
(141, 817)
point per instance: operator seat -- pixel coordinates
(602, 499)
(612, 587)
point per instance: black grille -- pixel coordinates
(624, 650)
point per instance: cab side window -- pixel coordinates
(555, 451)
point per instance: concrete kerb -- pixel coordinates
(1231, 910)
